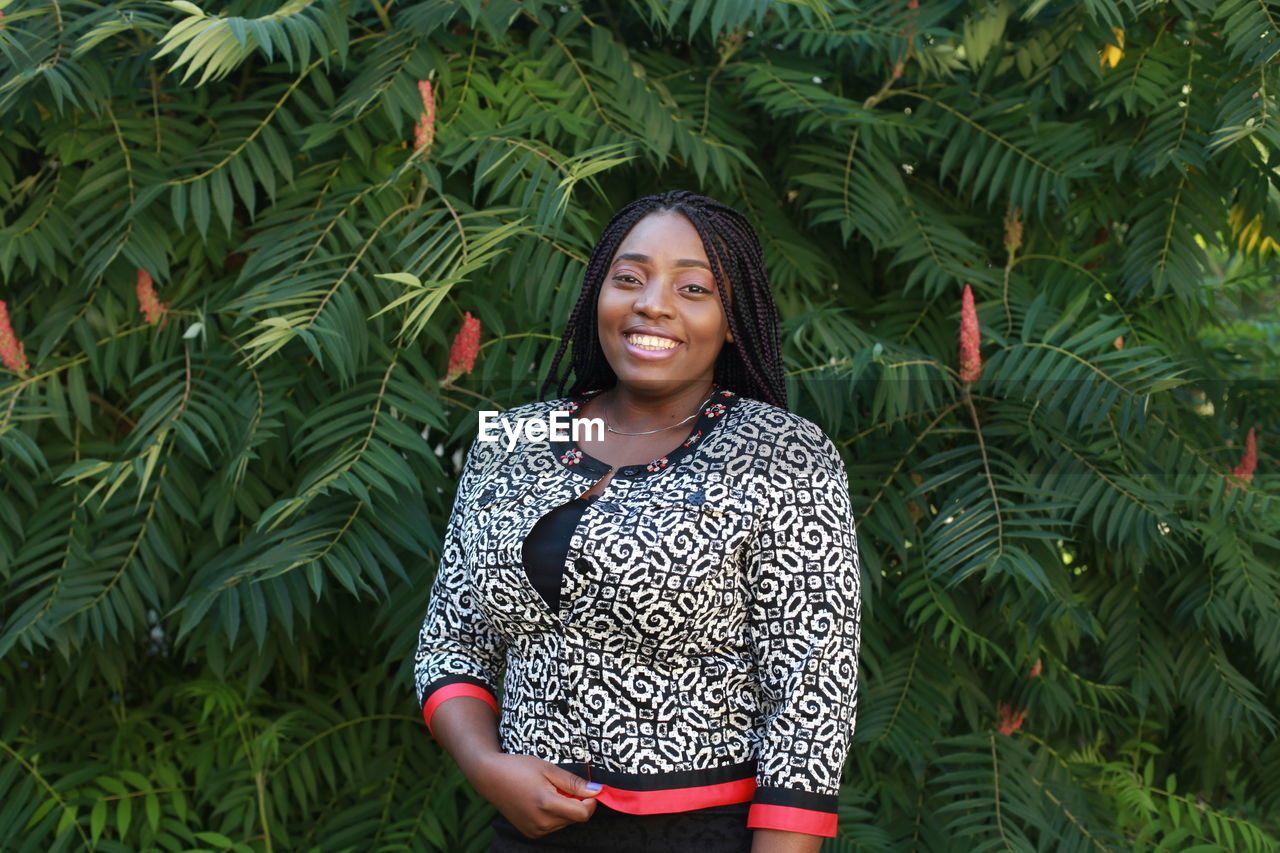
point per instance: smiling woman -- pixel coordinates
(659, 317)
(672, 609)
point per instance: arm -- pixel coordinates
(779, 841)
(805, 632)
(459, 654)
(535, 795)
(458, 665)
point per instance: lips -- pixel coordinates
(646, 344)
(655, 343)
(650, 331)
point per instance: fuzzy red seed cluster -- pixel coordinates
(1250, 461)
(1013, 230)
(466, 346)
(970, 339)
(152, 308)
(424, 132)
(12, 351)
(1010, 722)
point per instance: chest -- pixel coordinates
(649, 563)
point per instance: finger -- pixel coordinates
(568, 809)
(571, 785)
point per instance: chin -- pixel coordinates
(652, 380)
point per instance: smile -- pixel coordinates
(652, 343)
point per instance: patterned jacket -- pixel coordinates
(706, 644)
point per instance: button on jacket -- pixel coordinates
(705, 646)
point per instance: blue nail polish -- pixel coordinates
(594, 786)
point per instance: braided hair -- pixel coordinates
(751, 365)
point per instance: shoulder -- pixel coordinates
(788, 453)
(493, 450)
(785, 430)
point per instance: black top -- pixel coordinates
(547, 546)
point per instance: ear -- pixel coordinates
(728, 337)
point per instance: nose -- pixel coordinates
(654, 299)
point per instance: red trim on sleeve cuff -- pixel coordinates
(450, 691)
(792, 819)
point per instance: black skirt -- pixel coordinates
(717, 829)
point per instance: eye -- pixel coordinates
(698, 289)
(626, 278)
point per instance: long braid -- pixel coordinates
(588, 358)
(752, 365)
(764, 341)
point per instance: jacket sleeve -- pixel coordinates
(805, 630)
(459, 653)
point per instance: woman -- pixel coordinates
(674, 604)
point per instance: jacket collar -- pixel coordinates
(573, 457)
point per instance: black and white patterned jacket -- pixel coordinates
(706, 644)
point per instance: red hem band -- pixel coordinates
(677, 799)
(791, 819)
(450, 691)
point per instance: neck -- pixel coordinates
(635, 409)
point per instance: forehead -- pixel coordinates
(664, 236)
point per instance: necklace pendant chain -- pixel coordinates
(610, 428)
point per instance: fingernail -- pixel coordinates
(594, 786)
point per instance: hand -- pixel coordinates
(535, 795)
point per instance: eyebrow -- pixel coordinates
(645, 259)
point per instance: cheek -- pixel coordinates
(606, 313)
(711, 324)
(603, 315)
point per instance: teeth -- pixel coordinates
(651, 342)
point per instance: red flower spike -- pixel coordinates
(466, 346)
(12, 351)
(970, 339)
(1250, 461)
(1009, 721)
(424, 132)
(152, 308)
(1013, 230)
(1036, 669)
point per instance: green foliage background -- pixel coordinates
(217, 535)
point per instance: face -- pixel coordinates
(660, 320)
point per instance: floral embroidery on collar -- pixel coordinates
(656, 465)
(569, 455)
